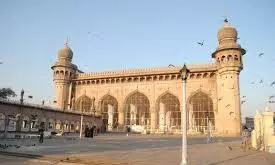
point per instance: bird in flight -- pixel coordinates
(271, 101)
(227, 105)
(243, 101)
(220, 98)
(271, 97)
(261, 54)
(200, 43)
(261, 81)
(244, 97)
(1, 62)
(252, 82)
(273, 83)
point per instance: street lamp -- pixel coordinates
(94, 106)
(184, 74)
(81, 119)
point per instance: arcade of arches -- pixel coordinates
(138, 115)
(26, 117)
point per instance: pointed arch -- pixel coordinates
(200, 111)
(108, 106)
(168, 112)
(25, 123)
(83, 103)
(132, 93)
(199, 91)
(136, 109)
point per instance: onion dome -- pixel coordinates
(227, 37)
(227, 33)
(65, 53)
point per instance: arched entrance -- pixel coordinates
(84, 103)
(200, 112)
(109, 113)
(2, 122)
(169, 114)
(137, 114)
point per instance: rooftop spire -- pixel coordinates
(225, 20)
(67, 42)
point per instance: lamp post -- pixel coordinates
(94, 106)
(81, 119)
(19, 116)
(184, 73)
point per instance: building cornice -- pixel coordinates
(145, 74)
(146, 71)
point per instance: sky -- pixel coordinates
(113, 35)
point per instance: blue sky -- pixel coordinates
(111, 35)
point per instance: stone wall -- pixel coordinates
(16, 117)
(263, 137)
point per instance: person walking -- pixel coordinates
(128, 129)
(245, 138)
(41, 135)
(86, 131)
(91, 132)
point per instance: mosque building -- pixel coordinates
(150, 99)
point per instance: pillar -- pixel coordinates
(110, 117)
(190, 117)
(268, 127)
(161, 117)
(153, 112)
(133, 112)
(168, 121)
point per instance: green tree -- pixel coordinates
(6, 93)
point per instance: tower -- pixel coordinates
(63, 73)
(228, 56)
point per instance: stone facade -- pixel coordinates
(149, 99)
(262, 137)
(23, 117)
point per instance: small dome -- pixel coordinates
(227, 32)
(65, 53)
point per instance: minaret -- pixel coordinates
(63, 73)
(228, 57)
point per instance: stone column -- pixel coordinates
(161, 117)
(110, 117)
(133, 112)
(257, 133)
(153, 119)
(121, 116)
(142, 120)
(268, 127)
(190, 117)
(168, 121)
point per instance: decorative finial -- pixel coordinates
(67, 42)
(225, 19)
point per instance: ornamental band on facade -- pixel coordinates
(149, 99)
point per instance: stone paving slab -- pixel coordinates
(142, 151)
(206, 154)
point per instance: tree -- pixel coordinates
(6, 93)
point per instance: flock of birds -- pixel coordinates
(260, 55)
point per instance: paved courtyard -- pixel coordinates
(130, 150)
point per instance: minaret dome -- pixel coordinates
(65, 53)
(227, 33)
